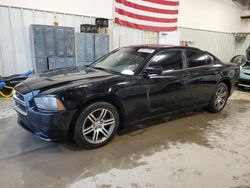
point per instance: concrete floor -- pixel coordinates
(199, 150)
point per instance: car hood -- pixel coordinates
(61, 77)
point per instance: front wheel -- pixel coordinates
(219, 98)
(96, 125)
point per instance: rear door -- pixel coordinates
(165, 92)
(201, 77)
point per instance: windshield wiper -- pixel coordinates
(106, 70)
(99, 68)
(87, 66)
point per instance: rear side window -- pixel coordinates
(196, 59)
(168, 60)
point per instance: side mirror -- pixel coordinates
(154, 70)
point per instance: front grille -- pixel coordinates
(21, 102)
(19, 96)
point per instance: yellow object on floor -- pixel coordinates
(8, 93)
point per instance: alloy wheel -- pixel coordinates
(98, 126)
(220, 98)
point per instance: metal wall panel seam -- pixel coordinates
(74, 18)
(1, 55)
(32, 47)
(12, 40)
(64, 20)
(76, 59)
(33, 14)
(1, 50)
(25, 38)
(2, 69)
(44, 17)
(82, 18)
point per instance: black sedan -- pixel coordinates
(128, 85)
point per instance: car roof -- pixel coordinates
(160, 47)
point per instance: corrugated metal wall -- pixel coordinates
(240, 48)
(124, 36)
(15, 44)
(220, 44)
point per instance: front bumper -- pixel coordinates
(244, 79)
(244, 83)
(47, 126)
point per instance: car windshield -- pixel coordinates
(247, 65)
(239, 59)
(124, 61)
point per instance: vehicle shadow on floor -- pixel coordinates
(170, 120)
(187, 126)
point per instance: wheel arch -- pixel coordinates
(227, 82)
(109, 99)
(211, 106)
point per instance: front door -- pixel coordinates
(165, 92)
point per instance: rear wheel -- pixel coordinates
(96, 125)
(219, 98)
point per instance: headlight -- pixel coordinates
(49, 103)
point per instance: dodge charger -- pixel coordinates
(126, 86)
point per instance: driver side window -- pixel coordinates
(169, 60)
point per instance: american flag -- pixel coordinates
(152, 15)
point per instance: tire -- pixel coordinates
(96, 125)
(219, 98)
